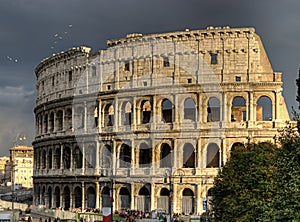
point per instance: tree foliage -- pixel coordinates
(260, 182)
(244, 189)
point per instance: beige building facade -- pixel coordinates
(19, 167)
(155, 114)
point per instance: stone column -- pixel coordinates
(176, 110)
(100, 116)
(97, 156)
(71, 157)
(198, 198)
(116, 114)
(97, 194)
(61, 156)
(114, 158)
(154, 113)
(132, 196)
(85, 117)
(83, 158)
(83, 195)
(135, 116)
(251, 109)
(175, 163)
(153, 201)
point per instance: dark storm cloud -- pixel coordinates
(28, 29)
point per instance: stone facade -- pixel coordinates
(155, 114)
(19, 168)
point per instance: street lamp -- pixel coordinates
(168, 173)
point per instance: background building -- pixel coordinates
(3, 161)
(156, 114)
(19, 168)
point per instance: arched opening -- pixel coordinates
(57, 197)
(124, 199)
(77, 158)
(90, 156)
(50, 159)
(127, 110)
(44, 159)
(49, 197)
(190, 109)
(79, 117)
(167, 111)
(145, 155)
(67, 198)
(44, 196)
(46, 123)
(165, 155)
(163, 199)
(125, 156)
(188, 156)
(57, 158)
(68, 118)
(238, 109)
(213, 155)
(213, 110)
(51, 121)
(143, 200)
(40, 124)
(106, 159)
(187, 201)
(264, 109)
(236, 145)
(66, 157)
(91, 197)
(105, 197)
(59, 120)
(78, 197)
(146, 112)
(109, 115)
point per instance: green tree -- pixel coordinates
(243, 190)
(286, 206)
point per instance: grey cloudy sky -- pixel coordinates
(28, 29)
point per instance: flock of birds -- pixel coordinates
(58, 37)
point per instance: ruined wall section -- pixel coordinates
(57, 76)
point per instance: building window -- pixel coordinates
(238, 79)
(145, 83)
(214, 59)
(70, 76)
(127, 67)
(108, 87)
(166, 62)
(94, 70)
(189, 81)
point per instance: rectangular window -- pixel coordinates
(94, 71)
(127, 66)
(70, 76)
(238, 78)
(244, 116)
(108, 87)
(189, 80)
(53, 80)
(166, 62)
(145, 83)
(214, 58)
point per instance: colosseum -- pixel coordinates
(152, 118)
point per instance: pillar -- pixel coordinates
(83, 196)
(152, 201)
(97, 194)
(132, 196)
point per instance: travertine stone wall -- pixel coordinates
(151, 106)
